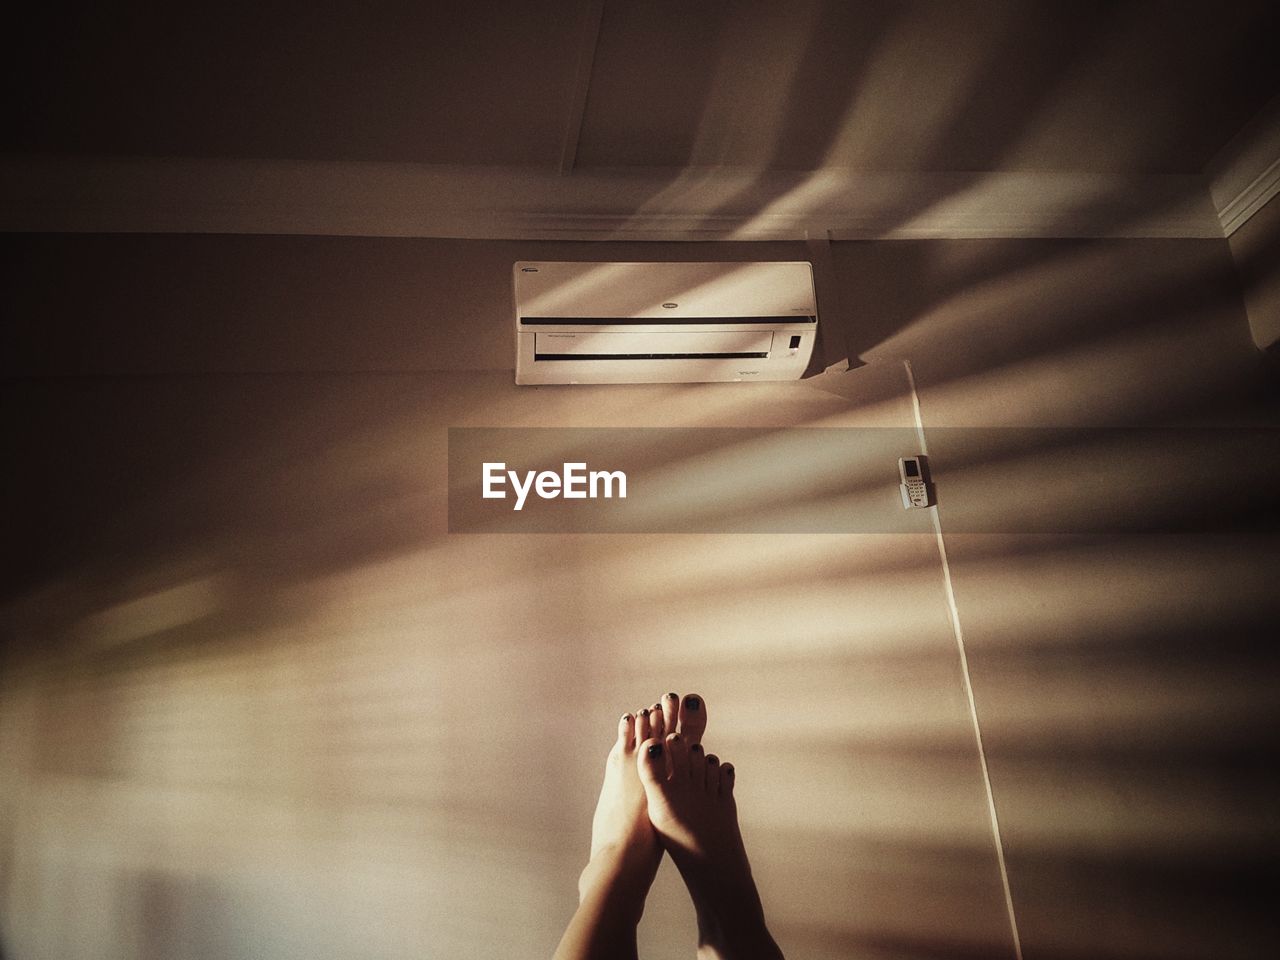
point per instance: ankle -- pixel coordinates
(730, 914)
(726, 876)
(630, 854)
(741, 941)
(628, 867)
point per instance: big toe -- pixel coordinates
(693, 718)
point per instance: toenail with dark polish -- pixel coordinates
(673, 696)
(674, 737)
(696, 748)
(730, 773)
(655, 750)
(693, 703)
(712, 758)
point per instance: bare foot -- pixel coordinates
(621, 822)
(621, 817)
(625, 851)
(624, 857)
(691, 806)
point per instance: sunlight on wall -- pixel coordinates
(347, 727)
(260, 701)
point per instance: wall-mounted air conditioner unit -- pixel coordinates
(663, 322)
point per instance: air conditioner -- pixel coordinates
(663, 322)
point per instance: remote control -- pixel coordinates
(915, 492)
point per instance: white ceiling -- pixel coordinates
(658, 118)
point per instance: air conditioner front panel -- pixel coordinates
(664, 292)
(663, 322)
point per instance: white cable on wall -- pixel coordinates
(954, 612)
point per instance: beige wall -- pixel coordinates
(1256, 249)
(1115, 586)
(257, 700)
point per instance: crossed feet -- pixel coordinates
(662, 791)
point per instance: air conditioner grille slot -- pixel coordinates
(652, 345)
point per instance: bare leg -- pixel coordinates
(691, 806)
(624, 848)
(624, 858)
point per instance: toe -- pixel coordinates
(642, 726)
(713, 774)
(671, 712)
(678, 751)
(693, 718)
(726, 779)
(651, 761)
(627, 732)
(656, 722)
(697, 766)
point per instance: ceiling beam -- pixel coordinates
(137, 195)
